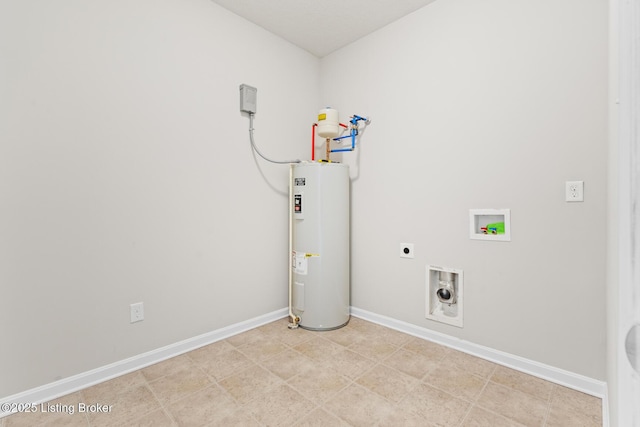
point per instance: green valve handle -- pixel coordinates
(496, 228)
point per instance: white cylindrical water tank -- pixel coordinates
(320, 258)
(328, 123)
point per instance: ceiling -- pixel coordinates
(322, 26)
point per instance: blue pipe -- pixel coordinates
(354, 131)
(342, 137)
(353, 134)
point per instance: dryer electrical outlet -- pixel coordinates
(406, 250)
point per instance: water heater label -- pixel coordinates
(299, 182)
(297, 203)
(300, 263)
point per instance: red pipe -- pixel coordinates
(313, 141)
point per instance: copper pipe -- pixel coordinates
(328, 149)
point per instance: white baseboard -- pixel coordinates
(87, 379)
(559, 376)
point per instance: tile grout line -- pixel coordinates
(350, 382)
(155, 396)
(549, 404)
(245, 407)
(145, 383)
(165, 408)
(259, 363)
(475, 400)
(86, 415)
(216, 383)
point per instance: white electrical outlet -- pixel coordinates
(137, 312)
(406, 250)
(574, 191)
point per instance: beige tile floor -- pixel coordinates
(360, 375)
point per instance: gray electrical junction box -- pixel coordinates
(248, 95)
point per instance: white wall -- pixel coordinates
(491, 104)
(126, 175)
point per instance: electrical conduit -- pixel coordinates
(294, 319)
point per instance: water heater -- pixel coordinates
(320, 244)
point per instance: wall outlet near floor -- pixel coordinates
(574, 191)
(137, 312)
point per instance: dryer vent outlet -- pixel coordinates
(444, 289)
